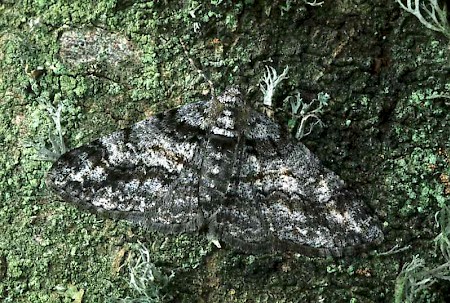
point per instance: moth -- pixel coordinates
(222, 168)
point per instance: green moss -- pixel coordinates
(419, 165)
(395, 154)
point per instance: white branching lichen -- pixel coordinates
(306, 115)
(270, 81)
(415, 276)
(313, 3)
(429, 13)
(55, 134)
(146, 279)
(57, 140)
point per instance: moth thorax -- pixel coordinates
(225, 120)
(231, 97)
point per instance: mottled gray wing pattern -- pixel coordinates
(285, 199)
(148, 173)
(221, 167)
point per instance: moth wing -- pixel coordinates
(285, 199)
(147, 173)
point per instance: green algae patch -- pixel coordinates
(386, 133)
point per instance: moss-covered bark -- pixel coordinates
(112, 63)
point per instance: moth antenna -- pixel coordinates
(198, 70)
